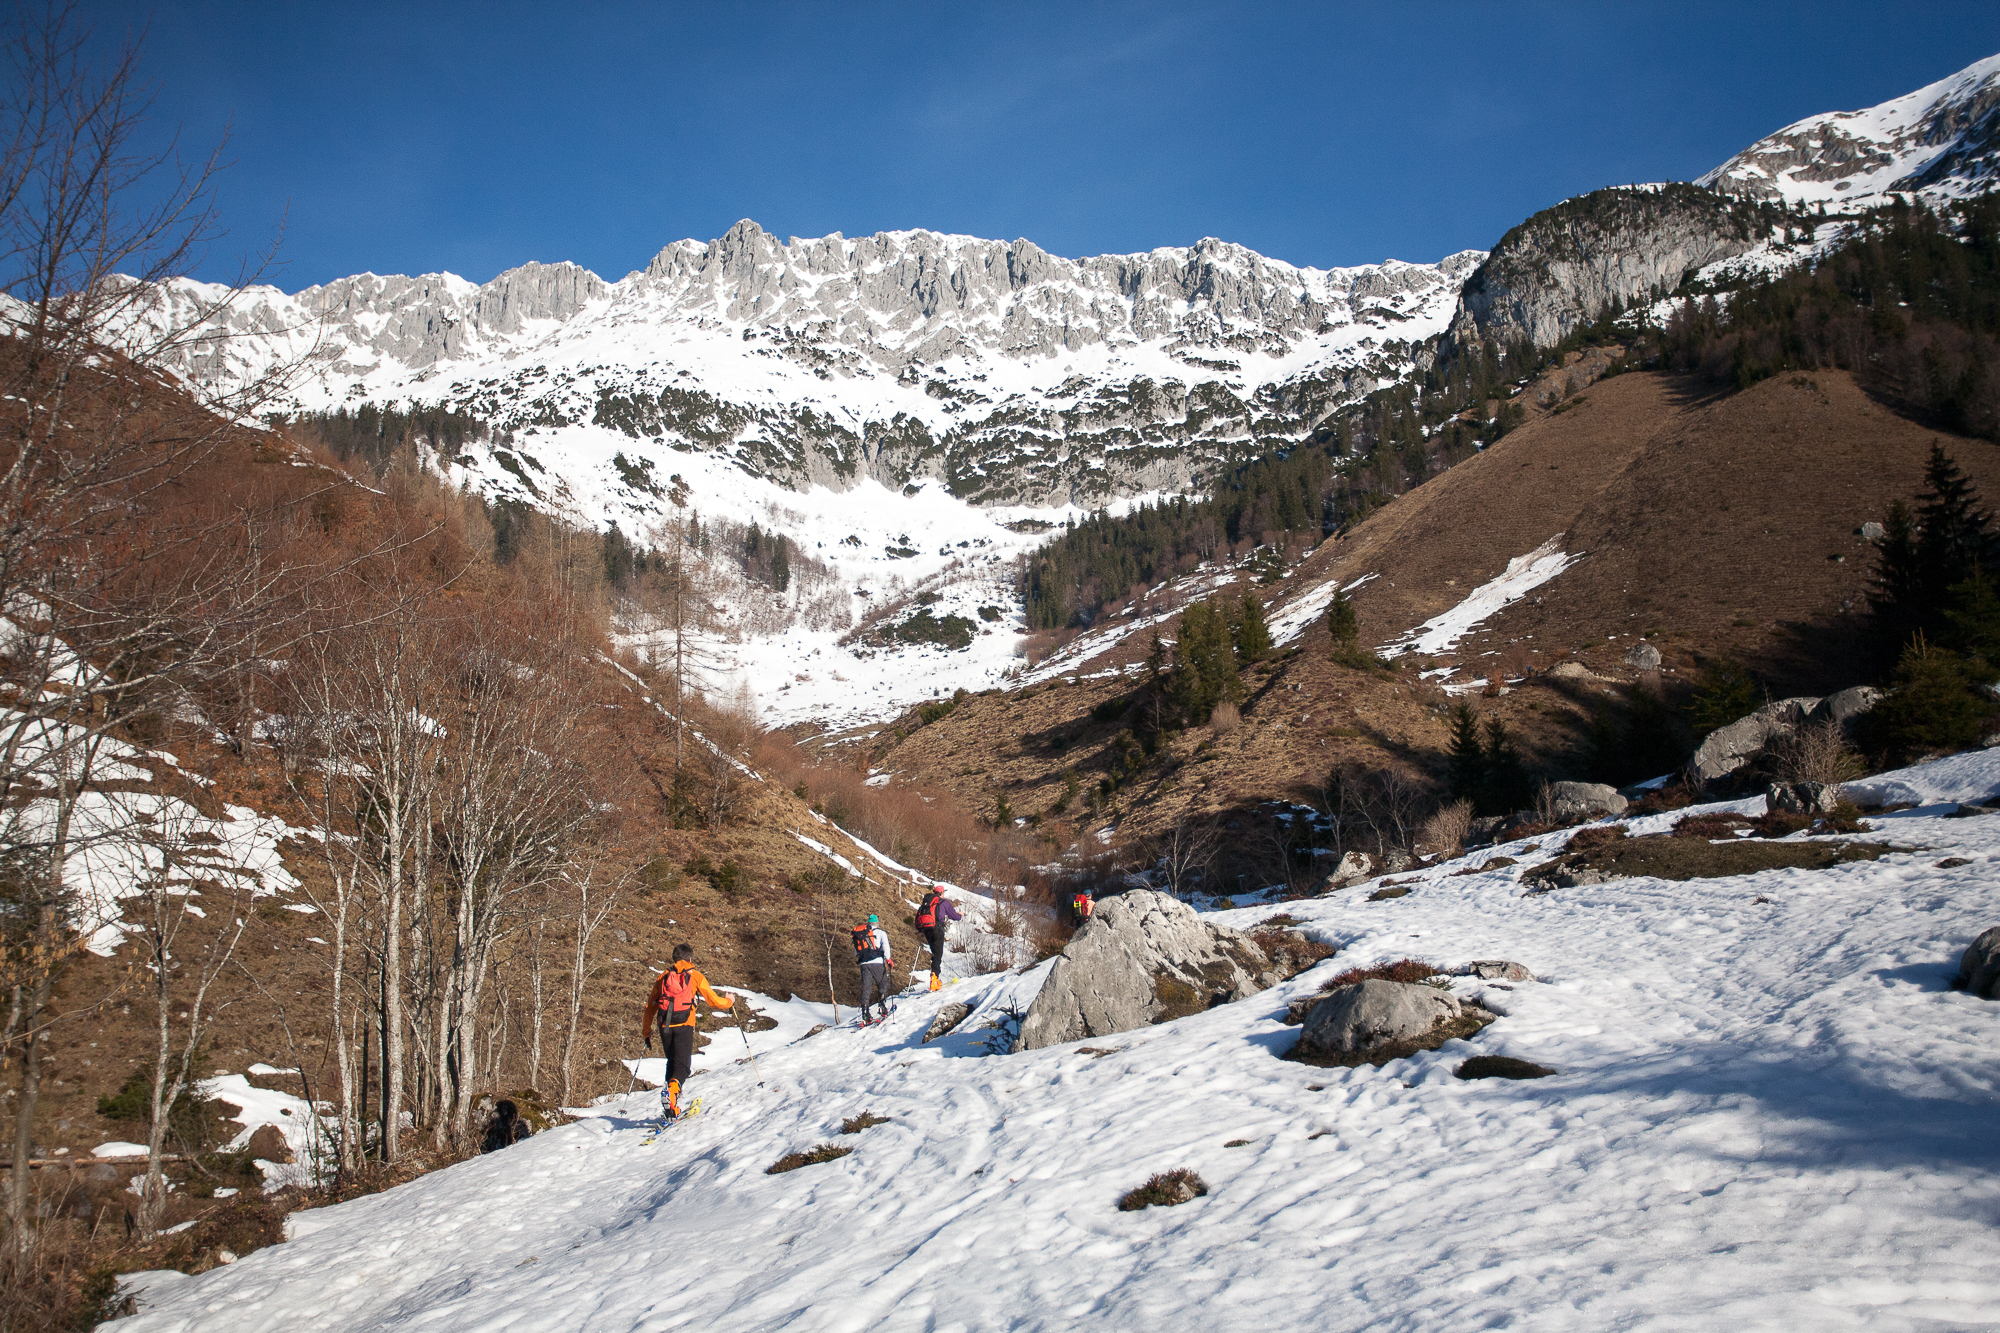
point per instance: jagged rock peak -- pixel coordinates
(1943, 138)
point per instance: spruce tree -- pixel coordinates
(1936, 704)
(781, 563)
(1468, 757)
(1507, 787)
(1253, 636)
(1955, 537)
(1342, 623)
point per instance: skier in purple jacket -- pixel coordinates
(932, 913)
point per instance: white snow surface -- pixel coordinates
(1524, 573)
(1771, 1112)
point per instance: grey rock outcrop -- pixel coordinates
(1979, 965)
(949, 1017)
(1141, 957)
(1844, 706)
(1729, 748)
(1368, 1015)
(1643, 657)
(1803, 798)
(1559, 270)
(1496, 969)
(1584, 800)
(1352, 869)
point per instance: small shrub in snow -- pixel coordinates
(792, 1161)
(854, 1124)
(1501, 1066)
(1164, 1191)
(1597, 835)
(1715, 825)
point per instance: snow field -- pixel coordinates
(1768, 1115)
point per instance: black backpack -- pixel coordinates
(864, 943)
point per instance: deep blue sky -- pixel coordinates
(415, 137)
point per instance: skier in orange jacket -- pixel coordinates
(672, 1003)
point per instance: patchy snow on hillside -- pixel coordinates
(1771, 1111)
(1524, 573)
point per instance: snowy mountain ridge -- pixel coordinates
(994, 369)
(1943, 141)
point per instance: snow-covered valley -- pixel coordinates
(1770, 1111)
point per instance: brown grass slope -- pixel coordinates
(1721, 525)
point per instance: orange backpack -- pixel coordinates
(677, 996)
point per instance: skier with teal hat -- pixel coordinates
(873, 952)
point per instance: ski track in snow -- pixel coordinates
(1769, 1115)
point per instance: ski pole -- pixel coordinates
(744, 1032)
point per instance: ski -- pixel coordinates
(659, 1127)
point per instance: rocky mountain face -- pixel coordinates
(1943, 139)
(1559, 270)
(998, 371)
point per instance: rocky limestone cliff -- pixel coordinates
(993, 369)
(1559, 270)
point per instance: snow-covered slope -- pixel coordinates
(1943, 140)
(1770, 1112)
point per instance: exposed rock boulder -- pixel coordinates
(1383, 1020)
(1496, 969)
(1396, 860)
(1729, 748)
(1643, 657)
(1845, 706)
(1142, 958)
(1979, 965)
(1572, 671)
(1584, 800)
(1353, 868)
(947, 1018)
(1803, 798)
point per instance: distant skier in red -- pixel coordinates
(672, 1003)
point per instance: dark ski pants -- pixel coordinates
(874, 985)
(934, 935)
(677, 1044)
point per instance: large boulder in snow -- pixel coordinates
(1846, 705)
(1143, 957)
(1729, 748)
(1392, 1017)
(1803, 798)
(1584, 800)
(1979, 965)
(1353, 868)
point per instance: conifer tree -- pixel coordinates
(1253, 636)
(1506, 786)
(1204, 673)
(1955, 536)
(1468, 757)
(1342, 623)
(781, 563)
